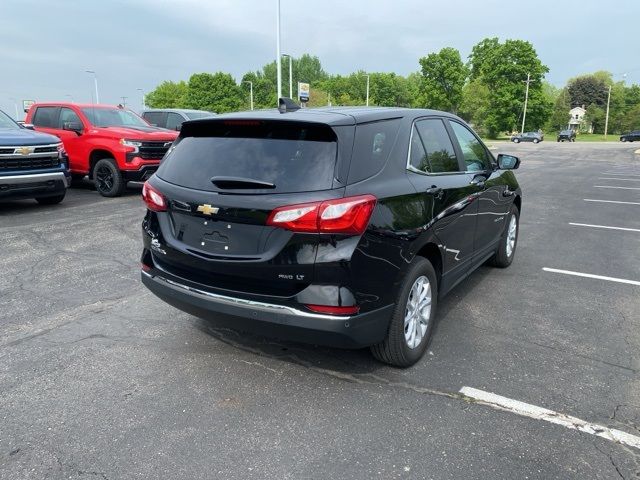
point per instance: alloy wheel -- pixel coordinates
(511, 235)
(418, 312)
(104, 177)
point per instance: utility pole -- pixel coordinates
(124, 101)
(526, 99)
(250, 92)
(278, 55)
(606, 118)
(367, 90)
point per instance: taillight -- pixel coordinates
(348, 215)
(155, 201)
(331, 310)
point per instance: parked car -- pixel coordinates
(32, 164)
(568, 135)
(172, 118)
(631, 136)
(534, 137)
(340, 226)
(112, 145)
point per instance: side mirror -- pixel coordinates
(73, 127)
(28, 126)
(508, 162)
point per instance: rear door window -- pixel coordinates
(294, 157)
(67, 115)
(439, 155)
(46, 117)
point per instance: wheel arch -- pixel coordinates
(98, 154)
(431, 252)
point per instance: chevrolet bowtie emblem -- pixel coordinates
(207, 209)
(24, 150)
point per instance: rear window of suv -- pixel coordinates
(294, 157)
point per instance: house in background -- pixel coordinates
(577, 122)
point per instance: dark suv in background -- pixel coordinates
(32, 164)
(338, 226)
(173, 118)
(568, 135)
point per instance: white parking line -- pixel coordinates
(621, 179)
(590, 275)
(499, 402)
(623, 174)
(610, 201)
(620, 188)
(605, 227)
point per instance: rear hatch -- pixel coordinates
(221, 180)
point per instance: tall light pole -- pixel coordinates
(526, 99)
(290, 74)
(606, 118)
(278, 55)
(367, 75)
(95, 82)
(142, 93)
(15, 105)
(250, 92)
(70, 97)
(124, 101)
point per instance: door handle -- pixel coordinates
(434, 190)
(507, 193)
(477, 182)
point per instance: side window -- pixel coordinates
(372, 147)
(174, 121)
(154, 118)
(45, 117)
(67, 115)
(418, 157)
(438, 153)
(474, 153)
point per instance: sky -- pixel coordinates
(47, 46)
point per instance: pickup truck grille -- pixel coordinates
(153, 150)
(29, 157)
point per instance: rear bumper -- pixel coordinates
(34, 185)
(271, 319)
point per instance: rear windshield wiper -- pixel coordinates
(230, 183)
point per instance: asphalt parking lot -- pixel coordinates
(99, 379)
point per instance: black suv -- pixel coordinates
(338, 226)
(568, 135)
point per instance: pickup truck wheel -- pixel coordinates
(108, 178)
(51, 200)
(413, 317)
(509, 240)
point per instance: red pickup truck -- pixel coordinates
(110, 144)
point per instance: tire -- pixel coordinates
(623, 139)
(108, 178)
(51, 200)
(535, 140)
(515, 140)
(395, 349)
(507, 251)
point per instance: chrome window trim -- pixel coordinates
(413, 169)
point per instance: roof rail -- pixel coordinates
(287, 105)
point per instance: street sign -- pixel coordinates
(303, 91)
(26, 104)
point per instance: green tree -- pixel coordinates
(503, 69)
(216, 92)
(167, 95)
(560, 116)
(595, 117)
(475, 104)
(444, 76)
(587, 90)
